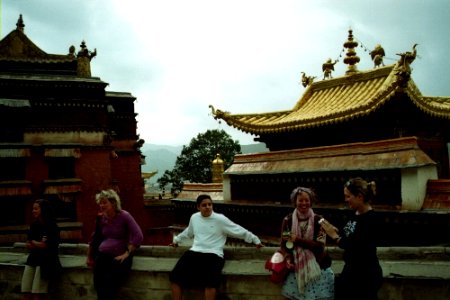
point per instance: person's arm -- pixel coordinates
(135, 236)
(312, 245)
(89, 257)
(95, 241)
(237, 231)
(187, 233)
(37, 244)
(332, 232)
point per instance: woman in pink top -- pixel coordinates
(116, 237)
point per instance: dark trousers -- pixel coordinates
(109, 275)
(360, 284)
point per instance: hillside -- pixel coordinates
(162, 157)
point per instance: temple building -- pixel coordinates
(374, 123)
(63, 137)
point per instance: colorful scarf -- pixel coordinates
(306, 266)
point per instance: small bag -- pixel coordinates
(277, 266)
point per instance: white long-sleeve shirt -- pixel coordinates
(210, 233)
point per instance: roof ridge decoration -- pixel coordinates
(403, 65)
(351, 58)
(20, 25)
(336, 100)
(84, 58)
(16, 47)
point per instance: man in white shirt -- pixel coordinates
(202, 264)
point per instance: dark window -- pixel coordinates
(12, 212)
(61, 167)
(12, 168)
(64, 207)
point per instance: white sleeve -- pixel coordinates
(237, 231)
(187, 233)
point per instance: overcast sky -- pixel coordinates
(241, 56)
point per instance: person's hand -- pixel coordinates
(173, 245)
(89, 262)
(329, 229)
(293, 237)
(122, 257)
(259, 246)
(289, 264)
(28, 244)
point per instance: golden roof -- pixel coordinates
(340, 99)
(16, 46)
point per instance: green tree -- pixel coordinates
(194, 162)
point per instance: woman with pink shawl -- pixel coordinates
(303, 242)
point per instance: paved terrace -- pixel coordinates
(410, 273)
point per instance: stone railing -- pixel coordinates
(409, 273)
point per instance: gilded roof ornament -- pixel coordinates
(84, 57)
(351, 58)
(377, 55)
(407, 58)
(84, 52)
(403, 65)
(20, 25)
(307, 80)
(327, 68)
(71, 51)
(217, 113)
(218, 159)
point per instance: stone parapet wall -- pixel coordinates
(410, 273)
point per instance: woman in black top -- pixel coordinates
(42, 242)
(361, 277)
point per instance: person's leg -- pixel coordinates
(210, 293)
(102, 277)
(177, 292)
(27, 281)
(213, 274)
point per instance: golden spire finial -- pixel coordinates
(20, 25)
(217, 169)
(351, 58)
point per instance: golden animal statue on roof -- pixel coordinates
(217, 113)
(307, 80)
(377, 55)
(408, 57)
(327, 68)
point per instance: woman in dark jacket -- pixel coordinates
(362, 275)
(43, 262)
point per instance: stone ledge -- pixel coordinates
(423, 262)
(409, 274)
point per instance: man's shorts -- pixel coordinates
(196, 269)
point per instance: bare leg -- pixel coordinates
(176, 291)
(210, 293)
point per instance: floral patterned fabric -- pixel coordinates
(322, 289)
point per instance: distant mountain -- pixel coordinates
(163, 157)
(254, 148)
